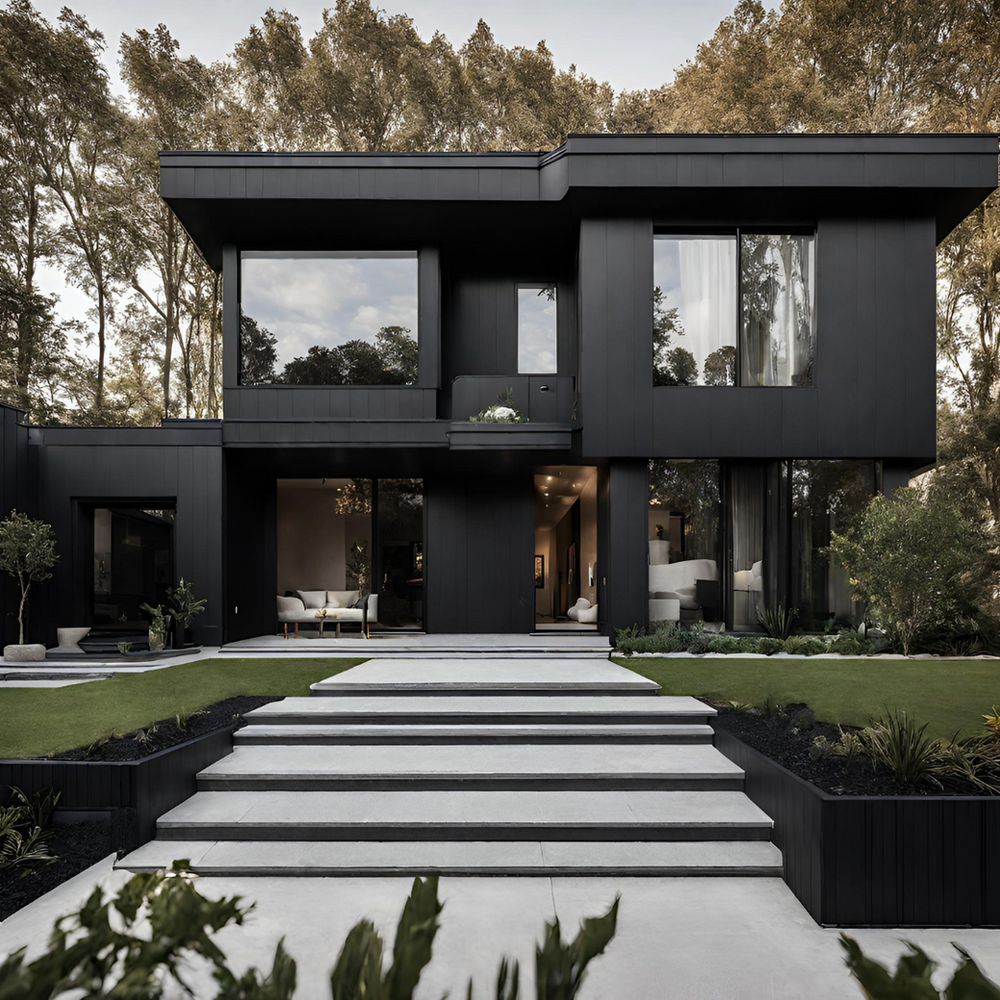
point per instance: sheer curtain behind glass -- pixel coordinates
(778, 288)
(694, 310)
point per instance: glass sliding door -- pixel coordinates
(683, 531)
(826, 495)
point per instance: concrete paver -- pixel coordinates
(711, 939)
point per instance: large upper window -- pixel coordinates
(536, 329)
(734, 309)
(328, 318)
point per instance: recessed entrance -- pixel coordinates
(566, 548)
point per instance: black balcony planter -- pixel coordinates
(132, 795)
(870, 861)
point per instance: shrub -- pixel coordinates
(957, 638)
(768, 645)
(625, 639)
(805, 645)
(912, 977)
(724, 644)
(22, 829)
(777, 621)
(849, 643)
(161, 922)
(701, 643)
(896, 742)
(919, 561)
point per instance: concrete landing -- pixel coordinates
(455, 858)
(595, 766)
(486, 675)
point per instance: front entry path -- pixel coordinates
(465, 766)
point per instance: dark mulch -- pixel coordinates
(169, 732)
(778, 739)
(77, 846)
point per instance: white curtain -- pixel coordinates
(706, 296)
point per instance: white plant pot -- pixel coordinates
(69, 638)
(32, 652)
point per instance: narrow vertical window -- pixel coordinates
(694, 310)
(778, 290)
(536, 329)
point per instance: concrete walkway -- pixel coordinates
(678, 938)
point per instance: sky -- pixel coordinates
(632, 44)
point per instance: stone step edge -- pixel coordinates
(690, 858)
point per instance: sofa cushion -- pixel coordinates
(340, 598)
(582, 603)
(587, 616)
(313, 598)
(687, 597)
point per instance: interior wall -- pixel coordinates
(311, 541)
(544, 547)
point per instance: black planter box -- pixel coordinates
(879, 861)
(132, 794)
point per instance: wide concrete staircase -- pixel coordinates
(472, 767)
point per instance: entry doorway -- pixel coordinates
(565, 569)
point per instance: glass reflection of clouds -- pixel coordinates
(536, 329)
(328, 299)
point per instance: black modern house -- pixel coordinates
(719, 346)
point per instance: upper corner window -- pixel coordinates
(778, 293)
(536, 329)
(734, 310)
(328, 318)
(694, 310)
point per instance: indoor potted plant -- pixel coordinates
(159, 626)
(184, 606)
(27, 553)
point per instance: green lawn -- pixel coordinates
(949, 695)
(36, 722)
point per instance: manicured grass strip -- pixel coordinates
(36, 722)
(949, 695)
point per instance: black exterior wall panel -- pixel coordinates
(79, 472)
(15, 493)
(479, 549)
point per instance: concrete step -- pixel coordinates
(485, 676)
(260, 734)
(484, 710)
(410, 858)
(477, 766)
(466, 815)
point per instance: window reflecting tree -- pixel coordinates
(258, 352)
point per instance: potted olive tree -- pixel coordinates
(27, 553)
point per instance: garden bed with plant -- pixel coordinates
(169, 732)
(893, 755)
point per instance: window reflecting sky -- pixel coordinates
(328, 299)
(536, 330)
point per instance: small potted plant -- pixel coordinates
(159, 626)
(184, 606)
(27, 553)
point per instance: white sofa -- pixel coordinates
(672, 586)
(583, 612)
(301, 610)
